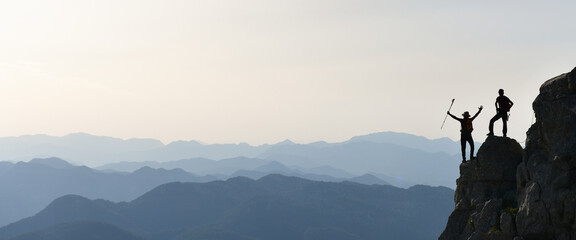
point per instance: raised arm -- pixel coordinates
(479, 110)
(450, 114)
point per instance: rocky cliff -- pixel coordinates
(485, 195)
(547, 176)
(523, 194)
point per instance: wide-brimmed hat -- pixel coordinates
(466, 114)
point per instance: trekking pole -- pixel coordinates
(447, 113)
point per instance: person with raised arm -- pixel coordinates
(466, 132)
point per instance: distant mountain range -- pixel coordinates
(129, 168)
(85, 149)
(401, 159)
(27, 187)
(273, 207)
(248, 167)
(399, 162)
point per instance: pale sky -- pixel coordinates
(261, 71)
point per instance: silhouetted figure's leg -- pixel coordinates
(494, 119)
(463, 146)
(471, 142)
(505, 124)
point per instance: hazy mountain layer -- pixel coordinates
(26, 188)
(403, 159)
(401, 163)
(85, 149)
(274, 207)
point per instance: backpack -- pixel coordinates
(469, 125)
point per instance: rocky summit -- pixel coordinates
(485, 195)
(510, 193)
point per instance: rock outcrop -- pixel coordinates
(547, 176)
(511, 193)
(485, 195)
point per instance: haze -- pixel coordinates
(261, 71)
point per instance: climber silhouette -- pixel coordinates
(466, 132)
(503, 105)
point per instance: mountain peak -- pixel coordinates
(285, 142)
(369, 179)
(52, 162)
(511, 193)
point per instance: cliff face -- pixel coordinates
(547, 176)
(485, 195)
(523, 194)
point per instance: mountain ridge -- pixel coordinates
(51, 178)
(86, 149)
(48, 179)
(275, 205)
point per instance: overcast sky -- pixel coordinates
(261, 71)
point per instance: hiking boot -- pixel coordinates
(490, 134)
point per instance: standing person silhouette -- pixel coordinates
(466, 132)
(503, 105)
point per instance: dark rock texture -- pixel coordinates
(486, 193)
(535, 200)
(547, 176)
